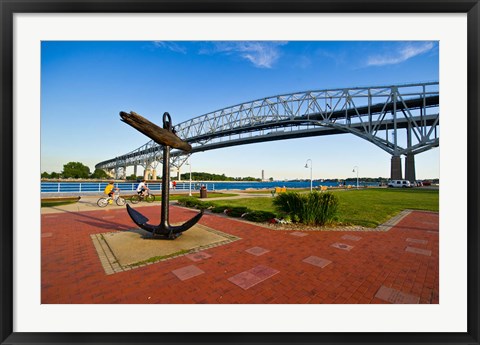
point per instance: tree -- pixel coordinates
(52, 175)
(132, 177)
(99, 173)
(75, 170)
(55, 175)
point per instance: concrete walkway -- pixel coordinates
(89, 203)
(262, 266)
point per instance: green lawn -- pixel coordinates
(366, 207)
(195, 194)
(56, 203)
(372, 207)
(256, 204)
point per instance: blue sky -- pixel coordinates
(84, 86)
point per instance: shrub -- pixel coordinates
(259, 216)
(312, 209)
(190, 201)
(289, 202)
(329, 208)
(218, 209)
(237, 211)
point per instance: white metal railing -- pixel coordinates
(98, 187)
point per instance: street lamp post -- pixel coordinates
(190, 184)
(355, 169)
(306, 166)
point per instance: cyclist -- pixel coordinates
(110, 189)
(142, 187)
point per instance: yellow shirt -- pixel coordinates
(108, 188)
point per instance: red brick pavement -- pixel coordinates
(72, 272)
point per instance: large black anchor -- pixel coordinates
(165, 137)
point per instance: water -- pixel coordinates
(98, 187)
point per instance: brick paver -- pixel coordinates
(379, 265)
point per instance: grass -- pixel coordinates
(56, 203)
(372, 207)
(158, 258)
(368, 207)
(195, 195)
(256, 204)
(269, 190)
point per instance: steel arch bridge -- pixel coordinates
(399, 119)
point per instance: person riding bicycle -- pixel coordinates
(142, 187)
(110, 189)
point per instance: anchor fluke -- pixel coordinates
(136, 216)
(177, 229)
(163, 230)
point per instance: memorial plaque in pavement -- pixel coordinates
(351, 237)
(187, 272)
(419, 251)
(253, 276)
(245, 280)
(257, 251)
(316, 261)
(414, 240)
(396, 296)
(342, 246)
(263, 272)
(198, 256)
(298, 234)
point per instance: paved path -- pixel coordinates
(264, 266)
(89, 203)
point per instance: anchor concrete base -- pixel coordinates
(125, 250)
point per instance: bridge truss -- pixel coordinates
(400, 119)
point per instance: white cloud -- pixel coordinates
(400, 54)
(175, 47)
(260, 54)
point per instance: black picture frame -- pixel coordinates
(10, 7)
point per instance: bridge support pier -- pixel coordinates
(154, 174)
(396, 168)
(410, 167)
(146, 174)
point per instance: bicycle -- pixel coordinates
(135, 199)
(104, 201)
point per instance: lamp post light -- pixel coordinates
(306, 166)
(355, 169)
(190, 184)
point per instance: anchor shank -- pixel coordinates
(161, 136)
(165, 186)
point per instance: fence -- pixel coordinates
(98, 187)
